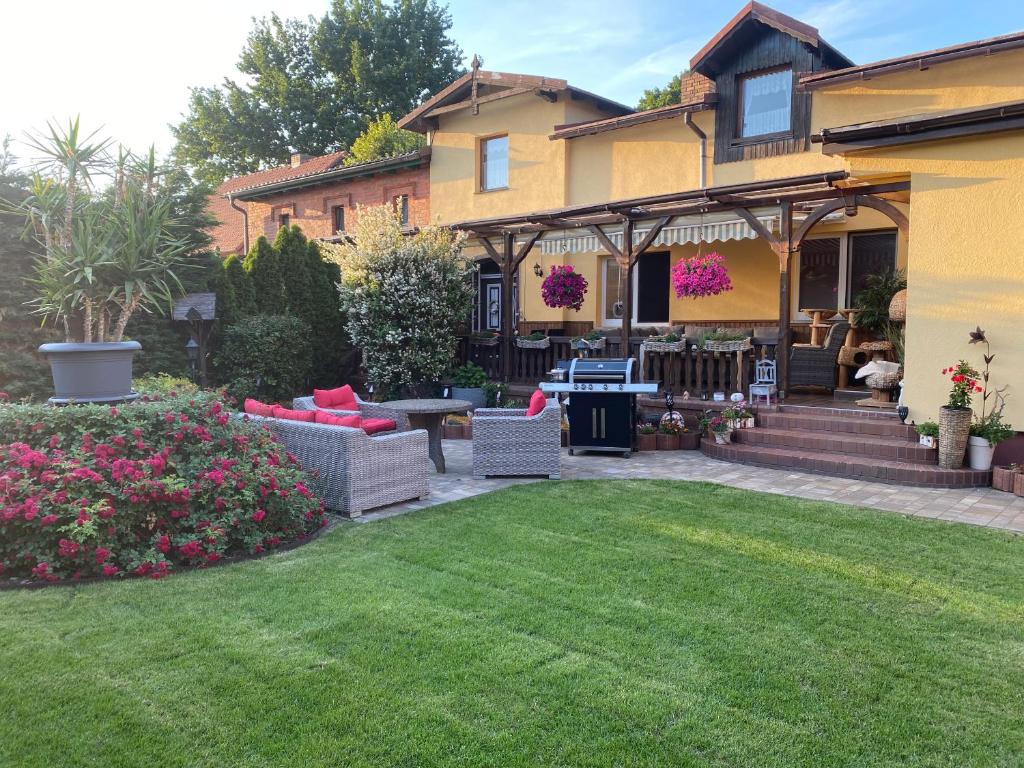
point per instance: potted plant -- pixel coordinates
(737, 415)
(988, 430)
(535, 340)
(647, 438)
(670, 342)
(668, 435)
(721, 429)
(724, 340)
(689, 440)
(564, 288)
(484, 338)
(107, 255)
(592, 340)
(468, 384)
(955, 417)
(927, 433)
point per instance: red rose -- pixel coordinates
(102, 553)
(164, 544)
(109, 570)
(191, 549)
(68, 548)
(48, 520)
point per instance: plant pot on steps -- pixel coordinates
(979, 453)
(100, 372)
(723, 438)
(646, 441)
(475, 395)
(954, 429)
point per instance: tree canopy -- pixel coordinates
(662, 97)
(315, 85)
(382, 138)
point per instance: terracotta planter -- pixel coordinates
(1018, 484)
(647, 442)
(1003, 478)
(954, 429)
(689, 441)
(667, 442)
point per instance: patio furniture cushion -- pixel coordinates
(537, 403)
(322, 417)
(340, 399)
(373, 426)
(290, 415)
(256, 408)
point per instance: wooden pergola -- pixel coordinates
(508, 240)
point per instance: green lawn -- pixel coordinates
(575, 623)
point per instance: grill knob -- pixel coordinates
(605, 387)
(590, 386)
(620, 386)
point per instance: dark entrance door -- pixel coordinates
(652, 288)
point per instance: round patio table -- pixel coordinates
(428, 414)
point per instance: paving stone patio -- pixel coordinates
(977, 506)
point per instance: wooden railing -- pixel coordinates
(695, 370)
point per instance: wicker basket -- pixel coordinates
(664, 346)
(883, 380)
(727, 346)
(898, 307)
(853, 356)
(1003, 478)
(533, 344)
(484, 341)
(596, 344)
(954, 429)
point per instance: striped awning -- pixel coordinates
(680, 232)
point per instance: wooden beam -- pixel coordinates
(471, 102)
(785, 253)
(758, 227)
(608, 244)
(524, 250)
(890, 210)
(491, 250)
(507, 271)
(627, 299)
(644, 244)
(814, 217)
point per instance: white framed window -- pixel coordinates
(494, 163)
(832, 269)
(765, 103)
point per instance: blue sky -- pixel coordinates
(134, 61)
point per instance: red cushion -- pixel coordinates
(537, 403)
(323, 417)
(340, 399)
(290, 415)
(256, 408)
(373, 426)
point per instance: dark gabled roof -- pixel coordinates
(931, 126)
(334, 172)
(755, 13)
(590, 127)
(309, 167)
(495, 86)
(914, 61)
(203, 303)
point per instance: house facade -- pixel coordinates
(321, 195)
(807, 172)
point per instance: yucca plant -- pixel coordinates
(873, 301)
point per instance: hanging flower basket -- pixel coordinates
(727, 346)
(700, 276)
(564, 288)
(524, 343)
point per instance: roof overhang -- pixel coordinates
(912, 129)
(916, 61)
(342, 173)
(590, 127)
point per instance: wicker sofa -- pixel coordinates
(811, 366)
(508, 442)
(353, 471)
(366, 411)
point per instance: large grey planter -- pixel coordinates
(475, 395)
(100, 372)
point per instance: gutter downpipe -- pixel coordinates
(245, 223)
(688, 119)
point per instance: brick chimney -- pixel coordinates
(694, 86)
(298, 158)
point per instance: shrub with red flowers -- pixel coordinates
(965, 384)
(700, 276)
(564, 287)
(141, 489)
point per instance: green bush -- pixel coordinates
(470, 376)
(927, 429)
(495, 394)
(141, 489)
(163, 384)
(264, 267)
(266, 355)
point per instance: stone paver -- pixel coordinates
(976, 506)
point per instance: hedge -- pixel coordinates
(142, 489)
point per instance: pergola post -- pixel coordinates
(507, 266)
(627, 286)
(785, 250)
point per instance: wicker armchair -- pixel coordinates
(353, 471)
(366, 411)
(508, 442)
(811, 366)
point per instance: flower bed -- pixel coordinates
(95, 491)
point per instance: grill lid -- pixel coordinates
(602, 370)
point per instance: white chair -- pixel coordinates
(764, 382)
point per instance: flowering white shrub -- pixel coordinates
(405, 297)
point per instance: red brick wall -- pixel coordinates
(311, 208)
(694, 86)
(228, 234)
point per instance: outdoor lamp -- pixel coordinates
(192, 350)
(537, 270)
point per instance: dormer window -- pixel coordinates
(765, 103)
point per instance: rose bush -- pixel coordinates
(141, 489)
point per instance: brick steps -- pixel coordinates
(846, 443)
(843, 465)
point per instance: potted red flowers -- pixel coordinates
(955, 417)
(564, 288)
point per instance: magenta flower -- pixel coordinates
(700, 276)
(564, 287)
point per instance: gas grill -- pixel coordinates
(602, 402)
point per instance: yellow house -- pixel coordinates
(809, 174)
